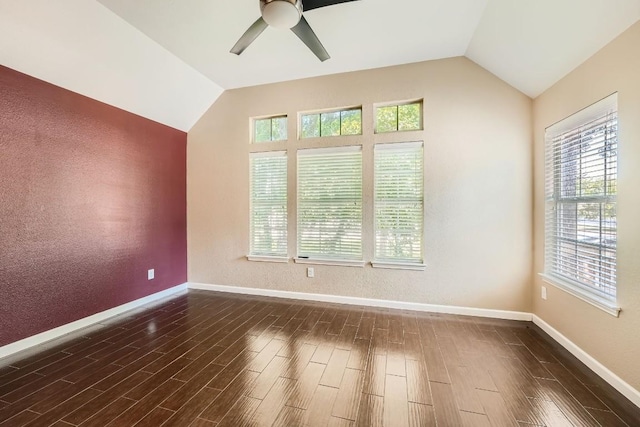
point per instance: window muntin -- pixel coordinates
(581, 190)
(400, 117)
(330, 203)
(270, 129)
(399, 202)
(268, 225)
(332, 123)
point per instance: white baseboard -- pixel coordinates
(401, 305)
(602, 371)
(51, 334)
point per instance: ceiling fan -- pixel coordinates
(287, 14)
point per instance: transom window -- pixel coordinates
(270, 129)
(581, 190)
(334, 123)
(400, 117)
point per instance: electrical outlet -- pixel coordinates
(544, 292)
(151, 274)
(310, 272)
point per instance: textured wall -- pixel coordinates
(615, 342)
(478, 184)
(90, 198)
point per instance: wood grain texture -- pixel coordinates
(371, 410)
(421, 415)
(319, 409)
(396, 403)
(348, 399)
(418, 390)
(225, 360)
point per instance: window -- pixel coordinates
(268, 228)
(270, 129)
(581, 188)
(330, 203)
(335, 123)
(399, 202)
(402, 117)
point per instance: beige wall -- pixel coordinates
(478, 180)
(615, 342)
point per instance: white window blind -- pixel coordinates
(581, 187)
(330, 203)
(269, 204)
(399, 202)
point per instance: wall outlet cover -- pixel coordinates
(151, 274)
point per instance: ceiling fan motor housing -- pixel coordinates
(283, 14)
(287, 14)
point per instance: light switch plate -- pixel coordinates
(151, 274)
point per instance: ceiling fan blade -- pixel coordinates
(306, 34)
(249, 36)
(315, 4)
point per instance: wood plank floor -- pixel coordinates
(209, 359)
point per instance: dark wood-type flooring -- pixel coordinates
(209, 359)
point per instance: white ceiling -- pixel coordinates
(169, 60)
(534, 43)
(82, 46)
(358, 35)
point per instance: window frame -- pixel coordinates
(601, 114)
(319, 113)
(258, 255)
(397, 263)
(398, 104)
(338, 258)
(253, 127)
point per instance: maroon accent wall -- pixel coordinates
(90, 198)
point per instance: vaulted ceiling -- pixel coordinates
(169, 60)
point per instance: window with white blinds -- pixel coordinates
(269, 204)
(399, 202)
(581, 187)
(330, 203)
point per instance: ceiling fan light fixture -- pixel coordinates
(287, 14)
(281, 14)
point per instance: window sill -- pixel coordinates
(603, 304)
(324, 261)
(398, 265)
(268, 258)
